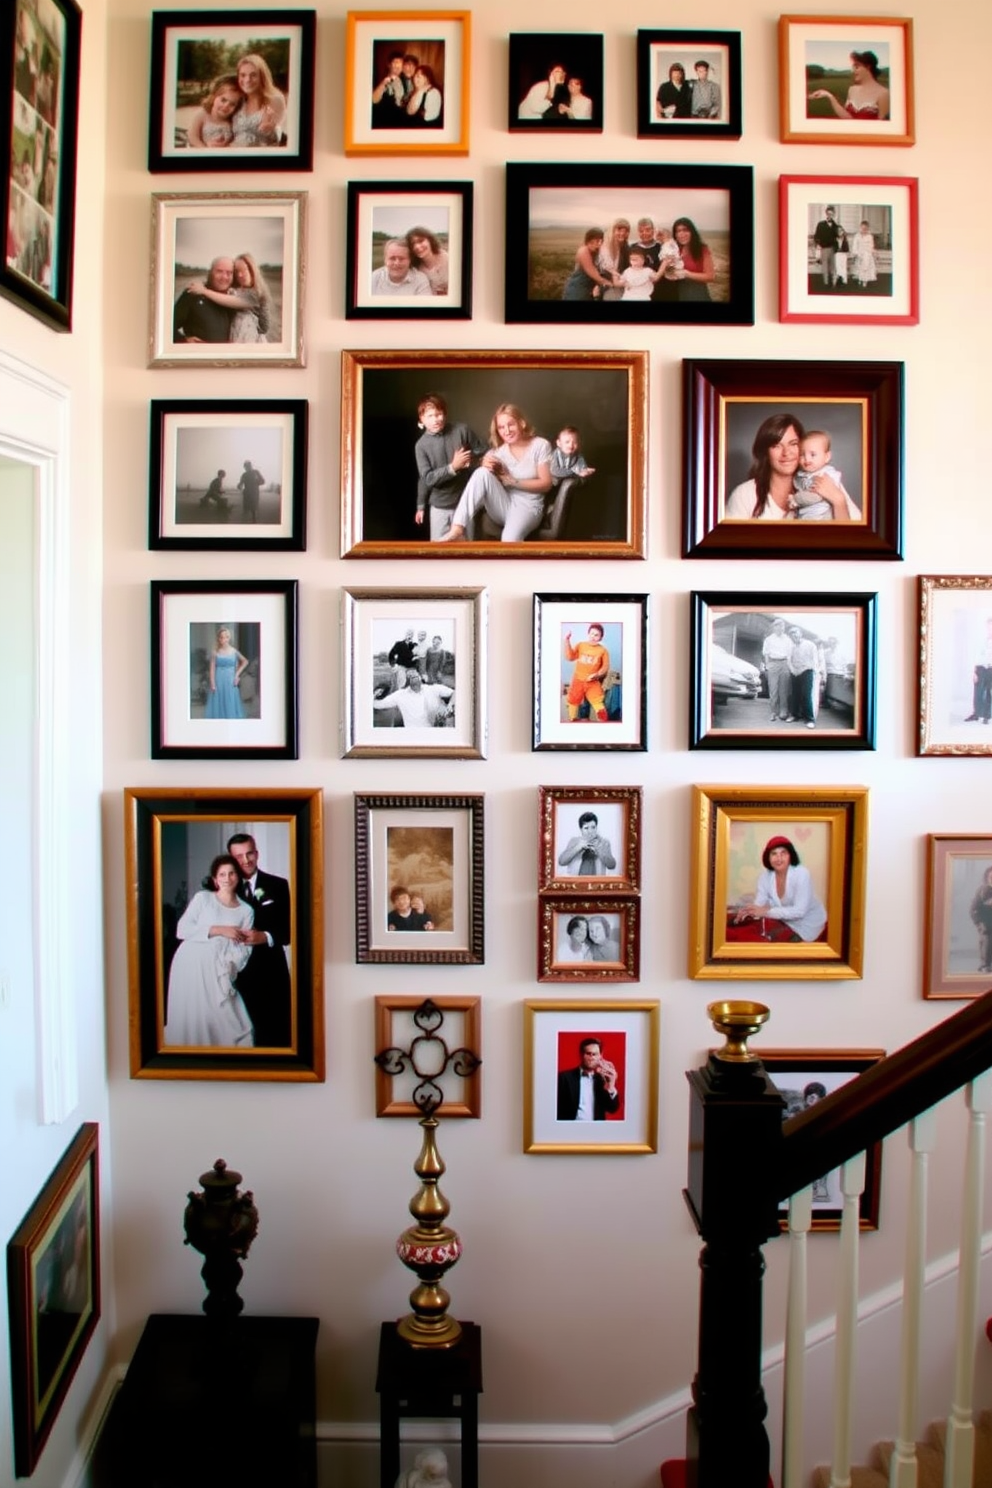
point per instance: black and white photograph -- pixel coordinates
(590, 837)
(556, 82)
(783, 671)
(224, 934)
(588, 937)
(223, 669)
(409, 250)
(957, 925)
(955, 618)
(228, 475)
(688, 83)
(227, 279)
(415, 672)
(228, 95)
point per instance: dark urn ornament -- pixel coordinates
(221, 1222)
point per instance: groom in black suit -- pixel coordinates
(264, 983)
(588, 1092)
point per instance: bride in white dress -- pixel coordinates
(204, 1006)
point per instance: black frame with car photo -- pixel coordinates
(571, 231)
(556, 82)
(433, 219)
(745, 425)
(750, 688)
(711, 105)
(39, 86)
(245, 1002)
(229, 95)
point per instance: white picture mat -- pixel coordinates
(838, 190)
(443, 210)
(236, 438)
(381, 938)
(231, 35)
(579, 614)
(179, 612)
(958, 632)
(586, 1023)
(850, 36)
(419, 26)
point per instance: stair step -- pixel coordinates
(861, 1477)
(929, 1463)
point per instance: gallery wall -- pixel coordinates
(553, 1243)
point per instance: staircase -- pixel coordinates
(929, 1459)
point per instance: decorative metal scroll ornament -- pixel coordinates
(429, 1247)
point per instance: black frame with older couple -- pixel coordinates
(572, 232)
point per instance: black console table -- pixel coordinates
(429, 1383)
(206, 1402)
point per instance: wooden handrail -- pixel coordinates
(885, 1097)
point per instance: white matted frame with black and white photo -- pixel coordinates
(414, 672)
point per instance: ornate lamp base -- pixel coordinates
(430, 1249)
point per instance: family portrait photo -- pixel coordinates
(629, 243)
(221, 92)
(409, 250)
(556, 82)
(589, 672)
(783, 671)
(958, 927)
(413, 674)
(476, 454)
(228, 475)
(955, 664)
(591, 1076)
(41, 75)
(406, 82)
(850, 248)
(688, 83)
(846, 80)
(227, 279)
(590, 837)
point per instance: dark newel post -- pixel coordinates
(735, 1129)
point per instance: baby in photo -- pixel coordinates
(814, 460)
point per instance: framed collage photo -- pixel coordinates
(228, 477)
(246, 1004)
(778, 882)
(407, 415)
(407, 78)
(430, 1047)
(591, 1076)
(762, 438)
(409, 250)
(420, 879)
(556, 82)
(53, 1289)
(224, 669)
(588, 938)
(414, 673)
(955, 692)
(227, 279)
(590, 671)
(846, 80)
(689, 84)
(229, 95)
(849, 250)
(957, 926)
(605, 244)
(805, 1077)
(589, 838)
(39, 86)
(782, 671)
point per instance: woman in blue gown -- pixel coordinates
(226, 667)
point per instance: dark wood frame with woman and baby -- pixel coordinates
(246, 1001)
(416, 465)
(744, 427)
(573, 233)
(231, 96)
(757, 911)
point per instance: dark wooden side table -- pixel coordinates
(206, 1403)
(428, 1383)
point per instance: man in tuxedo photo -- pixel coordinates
(264, 984)
(588, 1092)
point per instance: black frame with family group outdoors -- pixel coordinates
(523, 262)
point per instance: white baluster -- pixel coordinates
(903, 1471)
(960, 1448)
(800, 1219)
(852, 1176)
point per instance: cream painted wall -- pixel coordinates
(566, 1258)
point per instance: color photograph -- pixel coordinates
(409, 250)
(406, 84)
(846, 80)
(590, 671)
(556, 82)
(688, 83)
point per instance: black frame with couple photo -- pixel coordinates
(556, 82)
(231, 96)
(707, 106)
(194, 1013)
(432, 220)
(571, 231)
(744, 427)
